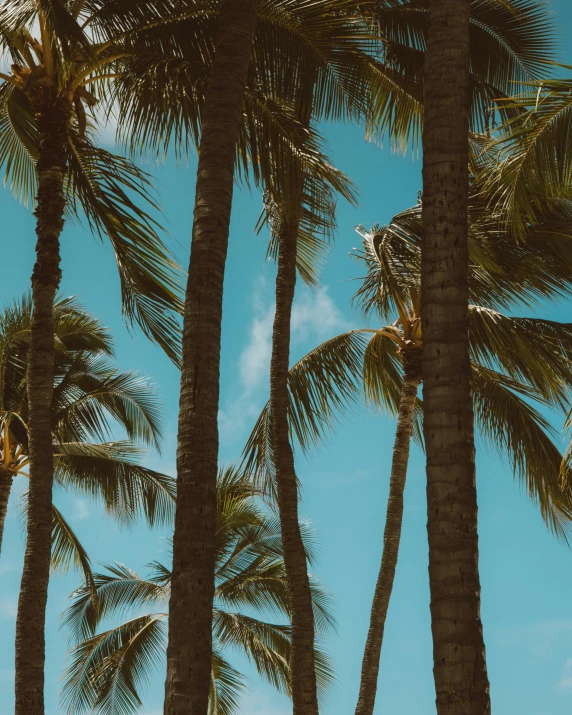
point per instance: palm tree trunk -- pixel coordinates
(304, 694)
(30, 623)
(190, 619)
(5, 488)
(460, 672)
(391, 536)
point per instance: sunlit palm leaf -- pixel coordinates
(111, 472)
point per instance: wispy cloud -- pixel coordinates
(81, 511)
(315, 317)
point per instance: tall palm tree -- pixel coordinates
(458, 647)
(194, 548)
(533, 357)
(258, 111)
(108, 669)
(89, 395)
(459, 664)
(44, 141)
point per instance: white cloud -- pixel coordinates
(81, 510)
(566, 679)
(315, 317)
(255, 358)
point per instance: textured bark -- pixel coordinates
(458, 649)
(192, 589)
(30, 623)
(391, 538)
(304, 694)
(5, 487)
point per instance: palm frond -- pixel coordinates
(100, 183)
(68, 551)
(117, 592)
(107, 672)
(111, 472)
(512, 425)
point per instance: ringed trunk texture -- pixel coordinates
(5, 488)
(192, 591)
(304, 692)
(391, 538)
(460, 671)
(30, 622)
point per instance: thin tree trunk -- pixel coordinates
(192, 589)
(5, 488)
(460, 672)
(30, 623)
(304, 694)
(391, 539)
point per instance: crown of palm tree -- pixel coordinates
(109, 669)
(78, 53)
(90, 397)
(517, 363)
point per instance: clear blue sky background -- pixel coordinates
(526, 575)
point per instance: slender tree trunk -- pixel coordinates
(304, 695)
(5, 488)
(192, 590)
(391, 537)
(30, 623)
(458, 648)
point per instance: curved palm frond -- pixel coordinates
(512, 425)
(110, 471)
(528, 180)
(108, 671)
(321, 384)
(227, 685)
(117, 591)
(103, 188)
(91, 392)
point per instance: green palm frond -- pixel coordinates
(226, 686)
(320, 386)
(532, 351)
(92, 392)
(103, 187)
(108, 671)
(266, 645)
(67, 551)
(111, 472)
(101, 183)
(510, 42)
(314, 206)
(512, 425)
(527, 179)
(117, 592)
(504, 272)
(18, 144)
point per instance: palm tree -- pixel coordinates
(44, 141)
(514, 360)
(460, 672)
(109, 668)
(89, 393)
(248, 104)
(459, 664)
(164, 97)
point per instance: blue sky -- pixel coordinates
(526, 575)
